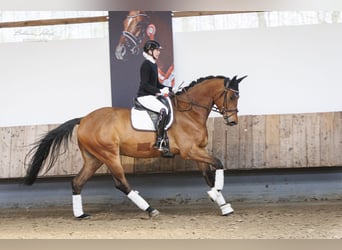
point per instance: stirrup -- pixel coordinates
(163, 148)
(161, 145)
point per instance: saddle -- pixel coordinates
(145, 119)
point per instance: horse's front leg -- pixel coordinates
(215, 181)
(208, 173)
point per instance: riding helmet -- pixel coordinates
(151, 45)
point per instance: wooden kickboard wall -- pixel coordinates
(257, 142)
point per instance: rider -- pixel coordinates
(150, 89)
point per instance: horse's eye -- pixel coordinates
(234, 96)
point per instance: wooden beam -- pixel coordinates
(53, 22)
(77, 20)
(205, 13)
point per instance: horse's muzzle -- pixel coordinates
(232, 123)
(120, 52)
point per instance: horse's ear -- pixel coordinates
(233, 83)
(241, 78)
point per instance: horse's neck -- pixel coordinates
(203, 93)
(196, 102)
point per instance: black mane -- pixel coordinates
(199, 80)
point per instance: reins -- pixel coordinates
(223, 110)
(190, 102)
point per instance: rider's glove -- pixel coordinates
(165, 91)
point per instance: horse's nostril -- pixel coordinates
(120, 52)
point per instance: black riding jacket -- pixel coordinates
(149, 82)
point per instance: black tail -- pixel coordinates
(49, 144)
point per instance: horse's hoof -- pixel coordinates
(227, 214)
(83, 217)
(226, 209)
(153, 213)
(168, 154)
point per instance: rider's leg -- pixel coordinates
(152, 103)
(160, 142)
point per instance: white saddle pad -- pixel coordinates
(142, 121)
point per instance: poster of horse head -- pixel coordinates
(128, 32)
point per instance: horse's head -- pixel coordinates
(227, 101)
(133, 33)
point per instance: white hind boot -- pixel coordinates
(142, 204)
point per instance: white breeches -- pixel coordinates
(152, 103)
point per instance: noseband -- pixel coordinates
(224, 110)
(132, 41)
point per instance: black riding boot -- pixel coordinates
(161, 143)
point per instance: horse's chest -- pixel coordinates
(204, 141)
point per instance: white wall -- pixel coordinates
(50, 82)
(293, 69)
(290, 70)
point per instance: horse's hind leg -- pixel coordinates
(122, 184)
(90, 165)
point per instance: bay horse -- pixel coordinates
(140, 26)
(106, 133)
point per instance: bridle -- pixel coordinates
(224, 111)
(133, 42)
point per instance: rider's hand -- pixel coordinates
(165, 91)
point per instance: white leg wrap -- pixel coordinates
(216, 196)
(219, 179)
(77, 205)
(213, 193)
(226, 209)
(219, 199)
(138, 200)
